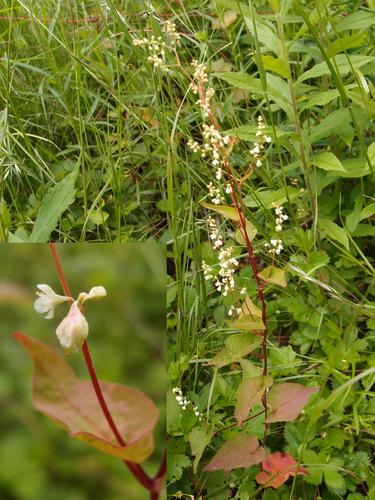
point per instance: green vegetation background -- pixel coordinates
(39, 460)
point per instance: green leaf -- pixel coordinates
(342, 63)
(336, 123)
(98, 216)
(177, 460)
(248, 323)
(278, 66)
(347, 42)
(72, 404)
(272, 274)
(237, 346)
(199, 438)
(334, 232)
(357, 21)
(226, 211)
(334, 480)
(241, 81)
(327, 161)
(270, 198)
(352, 220)
(55, 202)
(248, 132)
(251, 232)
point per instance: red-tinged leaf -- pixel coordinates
(277, 468)
(240, 451)
(72, 404)
(287, 400)
(249, 393)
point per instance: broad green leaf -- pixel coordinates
(98, 216)
(250, 393)
(343, 65)
(363, 230)
(319, 99)
(226, 211)
(265, 32)
(371, 153)
(327, 161)
(237, 346)
(352, 220)
(55, 202)
(272, 274)
(241, 450)
(241, 81)
(367, 212)
(359, 20)
(248, 323)
(346, 42)
(286, 401)
(72, 404)
(334, 232)
(199, 438)
(336, 123)
(278, 66)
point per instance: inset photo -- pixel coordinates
(82, 371)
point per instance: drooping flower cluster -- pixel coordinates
(184, 402)
(156, 46)
(215, 236)
(258, 149)
(73, 329)
(274, 247)
(280, 218)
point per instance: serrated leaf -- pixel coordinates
(272, 274)
(72, 404)
(55, 202)
(328, 161)
(226, 211)
(334, 480)
(334, 232)
(286, 401)
(277, 468)
(240, 451)
(249, 393)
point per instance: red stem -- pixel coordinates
(153, 485)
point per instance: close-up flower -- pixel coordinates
(47, 300)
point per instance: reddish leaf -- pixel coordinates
(287, 400)
(249, 393)
(240, 451)
(72, 404)
(277, 468)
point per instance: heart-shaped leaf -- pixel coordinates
(240, 451)
(272, 274)
(237, 347)
(287, 400)
(277, 468)
(226, 211)
(72, 404)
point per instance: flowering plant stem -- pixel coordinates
(154, 485)
(239, 206)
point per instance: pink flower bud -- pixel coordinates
(73, 330)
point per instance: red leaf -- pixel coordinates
(72, 404)
(250, 393)
(287, 400)
(277, 468)
(240, 451)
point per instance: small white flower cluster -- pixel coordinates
(215, 236)
(233, 309)
(170, 29)
(214, 194)
(200, 76)
(228, 264)
(156, 46)
(263, 139)
(280, 218)
(275, 247)
(184, 402)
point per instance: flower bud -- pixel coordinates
(96, 293)
(73, 330)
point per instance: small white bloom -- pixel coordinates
(73, 330)
(96, 293)
(47, 300)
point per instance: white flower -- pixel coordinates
(73, 330)
(47, 300)
(96, 293)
